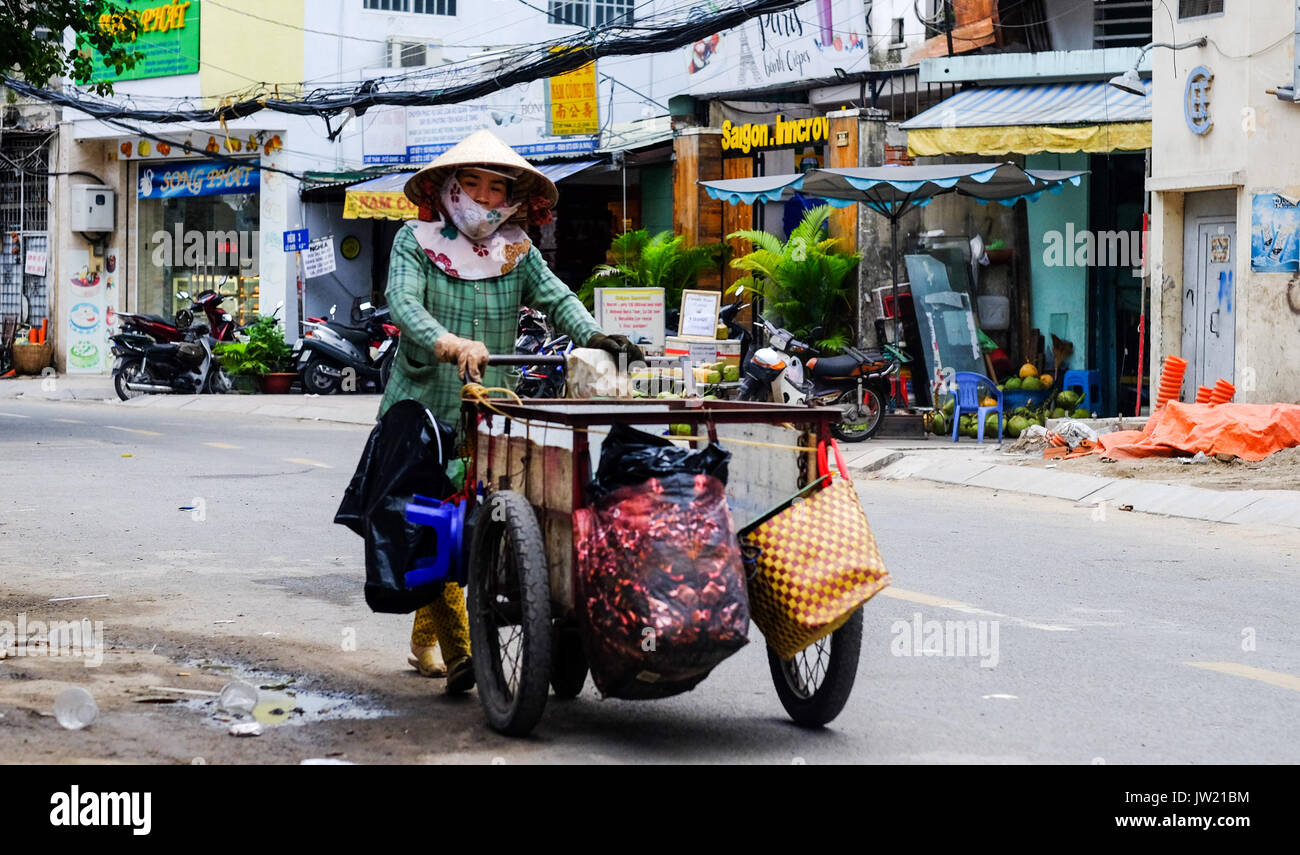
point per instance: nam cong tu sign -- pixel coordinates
(571, 102)
(750, 136)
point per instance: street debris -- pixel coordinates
(1198, 457)
(223, 621)
(70, 599)
(183, 691)
(246, 728)
(237, 697)
(75, 708)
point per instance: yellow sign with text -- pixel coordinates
(573, 103)
(744, 138)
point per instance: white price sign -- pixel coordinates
(36, 261)
(318, 258)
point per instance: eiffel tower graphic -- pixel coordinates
(747, 62)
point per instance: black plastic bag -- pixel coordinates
(406, 453)
(661, 585)
(629, 457)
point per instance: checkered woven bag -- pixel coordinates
(811, 563)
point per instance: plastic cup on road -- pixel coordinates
(238, 697)
(75, 708)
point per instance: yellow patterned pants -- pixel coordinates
(444, 621)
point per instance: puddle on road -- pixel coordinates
(280, 700)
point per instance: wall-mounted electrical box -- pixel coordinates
(92, 208)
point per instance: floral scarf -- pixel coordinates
(475, 243)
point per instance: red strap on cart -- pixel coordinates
(823, 465)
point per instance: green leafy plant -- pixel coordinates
(33, 43)
(265, 352)
(638, 259)
(803, 281)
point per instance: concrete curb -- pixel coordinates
(1249, 507)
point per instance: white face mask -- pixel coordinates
(473, 220)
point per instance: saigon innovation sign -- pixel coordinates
(167, 40)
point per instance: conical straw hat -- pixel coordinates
(481, 148)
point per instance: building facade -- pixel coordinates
(1225, 183)
(198, 206)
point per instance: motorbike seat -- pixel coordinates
(155, 318)
(852, 364)
(356, 335)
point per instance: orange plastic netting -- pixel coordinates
(1249, 431)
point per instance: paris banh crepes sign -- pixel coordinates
(783, 133)
(167, 40)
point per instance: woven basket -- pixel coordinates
(31, 358)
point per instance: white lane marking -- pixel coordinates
(134, 430)
(221, 445)
(70, 421)
(305, 462)
(85, 597)
(14, 416)
(967, 608)
(1273, 678)
(999, 697)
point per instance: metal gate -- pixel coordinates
(24, 219)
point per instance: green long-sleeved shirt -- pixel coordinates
(426, 304)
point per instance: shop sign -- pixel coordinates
(637, 313)
(571, 103)
(783, 134)
(167, 40)
(792, 47)
(1196, 100)
(200, 179)
(34, 264)
(190, 145)
(517, 115)
(318, 260)
(91, 295)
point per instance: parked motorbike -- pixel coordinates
(220, 322)
(791, 371)
(328, 349)
(145, 366)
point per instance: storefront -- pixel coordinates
(199, 225)
(1077, 280)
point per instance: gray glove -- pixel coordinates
(617, 345)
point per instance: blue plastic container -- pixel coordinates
(448, 563)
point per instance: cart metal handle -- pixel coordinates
(688, 376)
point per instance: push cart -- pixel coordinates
(534, 461)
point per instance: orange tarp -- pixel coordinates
(1248, 431)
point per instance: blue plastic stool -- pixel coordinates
(1089, 382)
(968, 384)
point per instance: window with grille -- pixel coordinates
(590, 13)
(419, 7)
(1121, 23)
(1196, 8)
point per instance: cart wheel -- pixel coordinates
(510, 614)
(814, 686)
(568, 662)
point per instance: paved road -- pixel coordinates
(1128, 638)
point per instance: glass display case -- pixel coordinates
(242, 293)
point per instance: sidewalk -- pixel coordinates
(970, 465)
(98, 389)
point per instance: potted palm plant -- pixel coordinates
(263, 360)
(804, 283)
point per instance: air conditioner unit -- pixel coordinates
(409, 54)
(92, 208)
